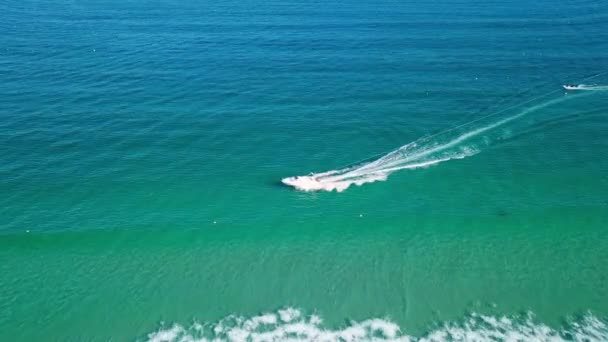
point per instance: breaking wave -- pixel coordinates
(292, 325)
(456, 143)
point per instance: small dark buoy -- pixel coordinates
(502, 213)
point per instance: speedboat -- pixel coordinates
(301, 182)
(571, 87)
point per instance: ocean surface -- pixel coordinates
(143, 144)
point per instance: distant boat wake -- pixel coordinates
(457, 143)
(585, 87)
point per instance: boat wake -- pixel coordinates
(457, 143)
(585, 87)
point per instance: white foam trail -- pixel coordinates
(421, 153)
(591, 87)
(292, 325)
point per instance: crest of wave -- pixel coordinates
(292, 325)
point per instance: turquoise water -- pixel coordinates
(143, 146)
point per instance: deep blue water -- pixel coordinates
(235, 95)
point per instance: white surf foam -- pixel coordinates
(292, 325)
(453, 144)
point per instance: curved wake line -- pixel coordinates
(421, 153)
